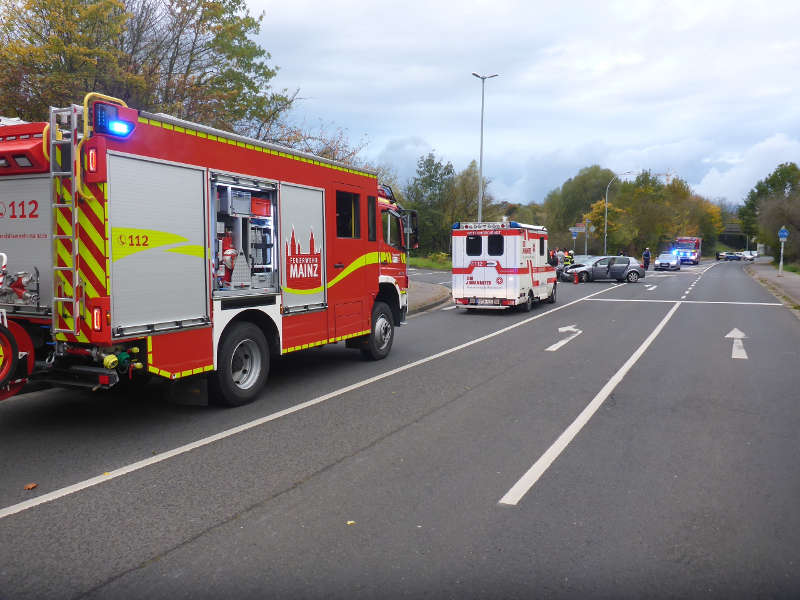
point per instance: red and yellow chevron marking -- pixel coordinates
(92, 261)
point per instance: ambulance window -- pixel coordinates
(371, 204)
(474, 245)
(541, 246)
(495, 244)
(347, 216)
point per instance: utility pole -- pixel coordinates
(483, 79)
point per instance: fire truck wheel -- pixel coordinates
(379, 341)
(552, 297)
(243, 361)
(8, 355)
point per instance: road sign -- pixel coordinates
(574, 234)
(783, 234)
(579, 227)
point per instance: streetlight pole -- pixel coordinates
(483, 79)
(605, 220)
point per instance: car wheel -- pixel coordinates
(379, 341)
(242, 367)
(633, 277)
(583, 277)
(552, 297)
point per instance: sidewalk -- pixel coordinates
(422, 296)
(786, 288)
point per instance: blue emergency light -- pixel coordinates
(106, 120)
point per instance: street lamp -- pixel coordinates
(605, 221)
(483, 79)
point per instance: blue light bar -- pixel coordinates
(119, 127)
(457, 225)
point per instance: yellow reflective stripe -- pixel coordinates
(94, 235)
(66, 226)
(191, 250)
(89, 260)
(97, 209)
(370, 258)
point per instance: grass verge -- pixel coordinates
(439, 260)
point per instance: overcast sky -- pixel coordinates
(706, 90)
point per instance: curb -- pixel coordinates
(775, 290)
(432, 304)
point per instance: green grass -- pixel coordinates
(794, 268)
(439, 260)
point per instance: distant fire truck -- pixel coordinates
(688, 249)
(136, 243)
(501, 265)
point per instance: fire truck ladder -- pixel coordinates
(63, 154)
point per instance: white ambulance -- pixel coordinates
(501, 265)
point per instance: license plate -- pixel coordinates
(487, 301)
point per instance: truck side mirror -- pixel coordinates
(411, 229)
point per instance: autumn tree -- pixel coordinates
(774, 202)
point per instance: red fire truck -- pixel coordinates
(137, 244)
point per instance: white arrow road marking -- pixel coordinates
(571, 328)
(738, 350)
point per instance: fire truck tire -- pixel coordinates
(243, 366)
(552, 297)
(381, 336)
(9, 355)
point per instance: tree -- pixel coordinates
(193, 59)
(774, 202)
(567, 205)
(426, 193)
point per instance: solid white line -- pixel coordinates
(519, 489)
(449, 307)
(82, 485)
(686, 301)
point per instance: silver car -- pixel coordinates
(668, 261)
(621, 268)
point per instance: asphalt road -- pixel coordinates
(638, 459)
(431, 276)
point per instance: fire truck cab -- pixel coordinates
(141, 244)
(501, 265)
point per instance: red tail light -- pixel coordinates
(97, 319)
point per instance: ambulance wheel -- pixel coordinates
(381, 336)
(9, 355)
(527, 306)
(242, 366)
(551, 299)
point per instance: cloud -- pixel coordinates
(754, 164)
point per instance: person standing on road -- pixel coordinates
(560, 256)
(646, 258)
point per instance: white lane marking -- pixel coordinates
(93, 481)
(526, 482)
(686, 302)
(684, 296)
(738, 350)
(443, 282)
(449, 307)
(569, 328)
(650, 288)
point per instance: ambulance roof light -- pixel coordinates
(515, 225)
(457, 225)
